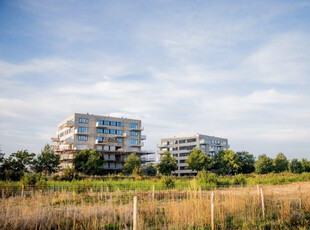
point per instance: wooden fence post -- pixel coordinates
(135, 214)
(212, 210)
(153, 192)
(263, 203)
(22, 190)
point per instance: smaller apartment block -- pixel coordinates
(113, 137)
(181, 147)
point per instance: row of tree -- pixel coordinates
(21, 162)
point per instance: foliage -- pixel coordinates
(47, 161)
(247, 162)
(168, 182)
(264, 164)
(14, 167)
(208, 178)
(198, 160)
(137, 171)
(69, 174)
(33, 179)
(280, 163)
(305, 164)
(132, 162)
(239, 179)
(89, 162)
(150, 169)
(227, 162)
(167, 164)
(296, 166)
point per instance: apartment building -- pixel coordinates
(113, 137)
(181, 147)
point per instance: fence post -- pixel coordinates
(263, 203)
(22, 190)
(212, 210)
(135, 216)
(257, 187)
(153, 192)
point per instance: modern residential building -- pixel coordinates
(181, 147)
(113, 137)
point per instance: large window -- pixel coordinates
(83, 129)
(119, 132)
(110, 123)
(133, 141)
(133, 133)
(184, 154)
(133, 125)
(83, 120)
(82, 138)
(175, 155)
(182, 161)
(190, 147)
(119, 140)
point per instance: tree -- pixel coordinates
(247, 162)
(305, 164)
(296, 166)
(198, 160)
(47, 161)
(17, 164)
(132, 162)
(167, 164)
(89, 162)
(280, 163)
(264, 164)
(227, 162)
(150, 169)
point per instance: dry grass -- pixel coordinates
(286, 207)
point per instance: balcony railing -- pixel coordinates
(76, 131)
(69, 124)
(68, 141)
(137, 129)
(143, 137)
(121, 135)
(137, 145)
(101, 125)
(55, 139)
(106, 142)
(164, 145)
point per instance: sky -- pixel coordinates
(235, 69)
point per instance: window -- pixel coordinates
(83, 120)
(100, 139)
(82, 138)
(133, 141)
(99, 130)
(113, 123)
(106, 131)
(182, 168)
(119, 140)
(175, 155)
(184, 154)
(191, 140)
(190, 147)
(112, 131)
(182, 141)
(119, 123)
(83, 129)
(175, 148)
(175, 142)
(133, 133)
(182, 161)
(119, 132)
(133, 125)
(106, 122)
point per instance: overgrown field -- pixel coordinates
(285, 206)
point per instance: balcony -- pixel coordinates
(137, 129)
(77, 132)
(137, 145)
(163, 145)
(55, 139)
(69, 124)
(121, 136)
(68, 141)
(143, 137)
(98, 125)
(203, 142)
(106, 142)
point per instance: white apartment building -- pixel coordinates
(181, 147)
(114, 137)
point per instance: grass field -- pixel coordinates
(286, 207)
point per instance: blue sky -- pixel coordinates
(235, 69)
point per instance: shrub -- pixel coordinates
(70, 174)
(168, 182)
(239, 179)
(33, 179)
(207, 178)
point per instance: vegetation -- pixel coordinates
(47, 161)
(264, 164)
(89, 162)
(167, 164)
(198, 160)
(132, 164)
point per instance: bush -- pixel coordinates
(207, 178)
(239, 179)
(33, 179)
(70, 174)
(168, 182)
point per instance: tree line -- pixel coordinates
(91, 162)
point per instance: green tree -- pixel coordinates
(198, 160)
(227, 162)
(17, 164)
(305, 164)
(150, 169)
(89, 162)
(264, 164)
(47, 161)
(167, 164)
(132, 162)
(247, 162)
(280, 163)
(295, 166)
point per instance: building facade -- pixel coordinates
(113, 137)
(181, 147)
